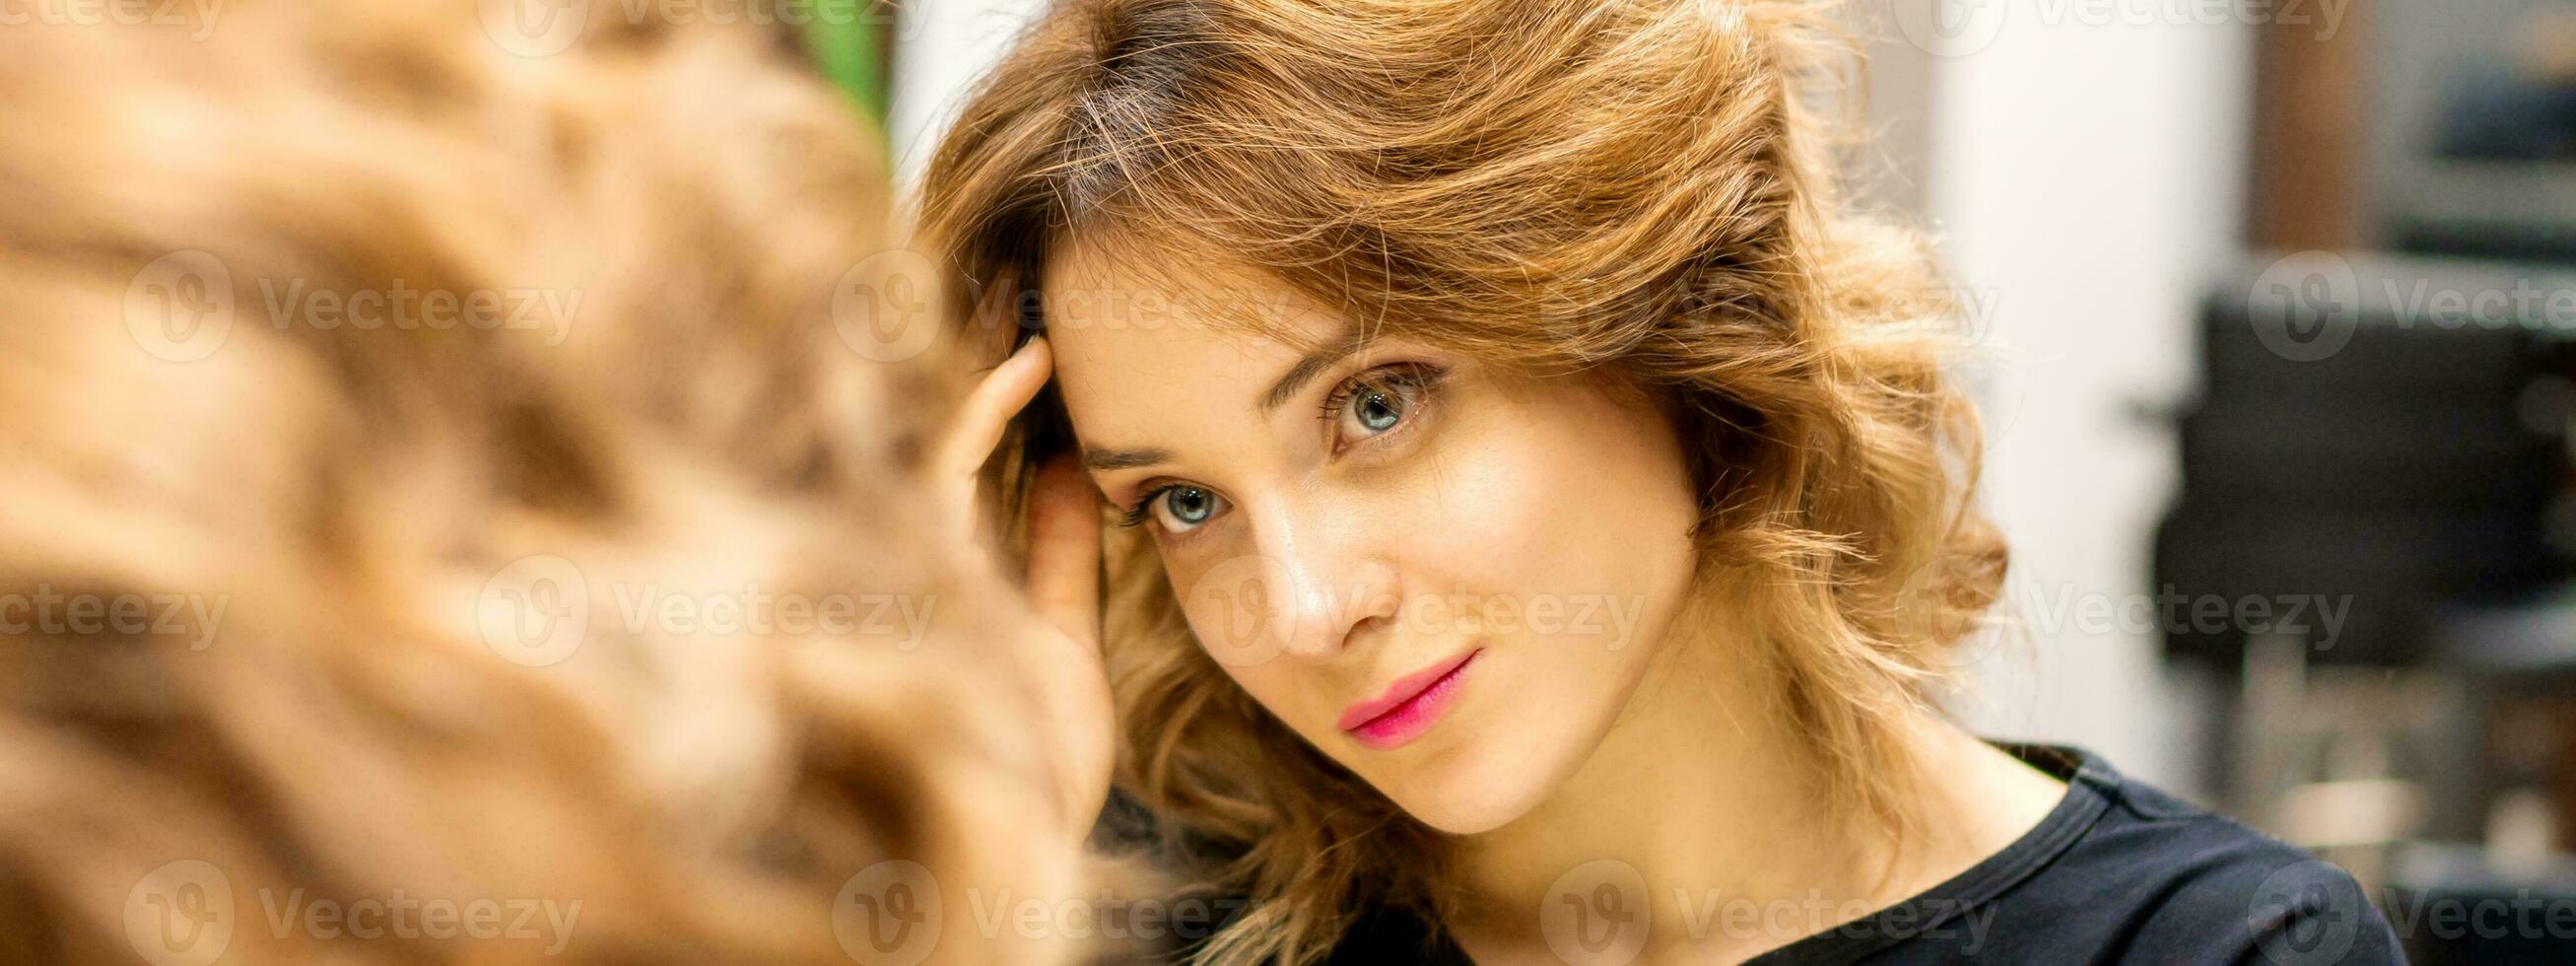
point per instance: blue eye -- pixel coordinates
(1182, 508)
(1175, 507)
(1378, 401)
(1370, 404)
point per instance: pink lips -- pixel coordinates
(1409, 707)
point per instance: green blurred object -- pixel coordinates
(846, 38)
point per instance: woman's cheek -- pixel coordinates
(1236, 637)
(1228, 601)
(1477, 501)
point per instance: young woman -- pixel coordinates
(1543, 518)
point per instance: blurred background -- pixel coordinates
(2278, 299)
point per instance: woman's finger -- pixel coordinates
(988, 410)
(1064, 550)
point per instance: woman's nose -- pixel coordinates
(1309, 590)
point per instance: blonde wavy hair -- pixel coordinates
(250, 558)
(1642, 188)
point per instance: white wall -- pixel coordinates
(942, 47)
(2085, 177)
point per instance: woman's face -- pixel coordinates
(1447, 577)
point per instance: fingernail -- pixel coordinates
(1014, 358)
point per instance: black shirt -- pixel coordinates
(2118, 872)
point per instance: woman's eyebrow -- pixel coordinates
(1308, 368)
(1121, 459)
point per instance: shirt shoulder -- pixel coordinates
(2157, 879)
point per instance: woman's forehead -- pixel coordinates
(1178, 300)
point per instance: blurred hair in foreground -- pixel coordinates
(318, 519)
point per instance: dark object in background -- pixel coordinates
(2454, 908)
(2378, 431)
(2471, 116)
(2492, 114)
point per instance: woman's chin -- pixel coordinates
(1478, 771)
(1457, 797)
(1469, 820)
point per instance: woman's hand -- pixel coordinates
(1063, 584)
(957, 465)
